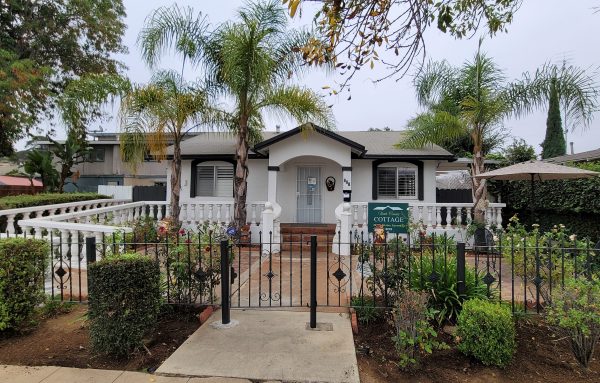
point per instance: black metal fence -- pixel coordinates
(364, 272)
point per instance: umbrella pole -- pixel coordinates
(532, 204)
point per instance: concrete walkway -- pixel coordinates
(49, 374)
(269, 345)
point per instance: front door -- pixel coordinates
(308, 195)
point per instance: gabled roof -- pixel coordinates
(364, 144)
(590, 155)
(311, 128)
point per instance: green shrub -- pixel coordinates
(414, 334)
(575, 312)
(366, 309)
(487, 332)
(22, 266)
(124, 302)
(54, 307)
(443, 288)
(26, 200)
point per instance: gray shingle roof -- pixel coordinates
(590, 155)
(377, 143)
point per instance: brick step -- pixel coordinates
(308, 229)
(321, 238)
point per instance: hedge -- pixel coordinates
(487, 332)
(22, 266)
(124, 302)
(26, 200)
(582, 224)
(571, 196)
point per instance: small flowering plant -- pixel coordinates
(556, 253)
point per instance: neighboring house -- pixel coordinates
(311, 173)
(590, 155)
(105, 167)
(19, 185)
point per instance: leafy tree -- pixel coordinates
(519, 151)
(40, 162)
(69, 153)
(554, 143)
(160, 114)
(249, 64)
(355, 33)
(44, 46)
(470, 100)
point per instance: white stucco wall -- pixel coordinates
(309, 144)
(286, 187)
(257, 181)
(362, 178)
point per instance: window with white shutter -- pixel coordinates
(214, 181)
(396, 182)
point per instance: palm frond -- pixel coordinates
(179, 29)
(432, 128)
(301, 104)
(434, 81)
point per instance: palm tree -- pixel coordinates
(576, 87)
(470, 100)
(69, 153)
(157, 115)
(250, 65)
(40, 162)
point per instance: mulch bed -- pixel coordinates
(64, 341)
(541, 357)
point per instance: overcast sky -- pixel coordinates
(542, 30)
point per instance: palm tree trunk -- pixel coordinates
(241, 175)
(480, 200)
(176, 182)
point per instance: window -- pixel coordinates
(396, 182)
(214, 181)
(95, 155)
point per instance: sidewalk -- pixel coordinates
(50, 374)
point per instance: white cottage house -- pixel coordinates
(316, 177)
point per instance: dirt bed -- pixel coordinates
(64, 341)
(540, 357)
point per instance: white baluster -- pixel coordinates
(420, 214)
(448, 217)
(499, 217)
(168, 210)
(210, 213)
(354, 217)
(459, 216)
(253, 216)
(428, 224)
(10, 224)
(438, 216)
(228, 214)
(364, 215)
(201, 213)
(159, 212)
(218, 214)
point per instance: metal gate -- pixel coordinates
(308, 193)
(149, 193)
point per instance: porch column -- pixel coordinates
(347, 183)
(272, 184)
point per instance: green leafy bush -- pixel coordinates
(124, 302)
(25, 200)
(487, 332)
(366, 309)
(414, 334)
(575, 312)
(22, 266)
(438, 277)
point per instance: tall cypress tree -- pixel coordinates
(554, 143)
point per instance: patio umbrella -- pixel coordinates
(536, 170)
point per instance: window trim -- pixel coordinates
(194, 173)
(419, 182)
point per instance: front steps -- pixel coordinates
(297, 236)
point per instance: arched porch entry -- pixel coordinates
(309, 188)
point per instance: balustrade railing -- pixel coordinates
(451, 218)
(13, 216)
